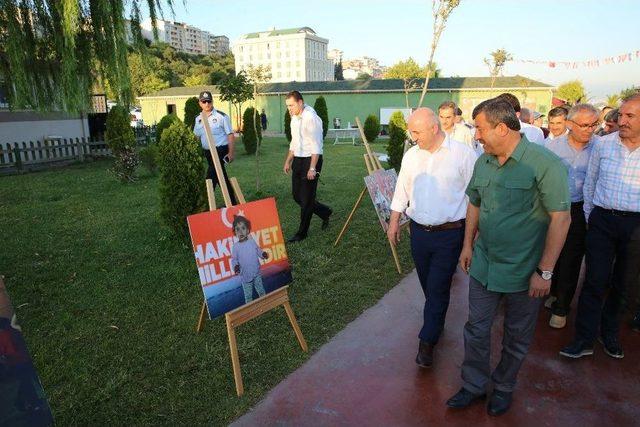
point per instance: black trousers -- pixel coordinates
(567, 271)
(211, 171)
(304, 192)
(609, 237)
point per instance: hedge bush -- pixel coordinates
(371, 127)
(397, 136)
(321, 109)
(182, 174)
(251, 131)
(191, 111)
(287, 125)
(121, 140)
(164, 123)
(149, 158)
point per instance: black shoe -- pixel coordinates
(611, 347)
(296, 238)
(325, 222)
(464, 398)
(635, 323)
(499, 403)
(424, 359)
(577, 349)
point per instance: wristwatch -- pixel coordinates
(312, 169)
(546, 275)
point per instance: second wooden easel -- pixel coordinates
(373, 165)
(255, 308)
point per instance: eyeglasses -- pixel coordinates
(587, 126)
(206, 101)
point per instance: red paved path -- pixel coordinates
(366, 376)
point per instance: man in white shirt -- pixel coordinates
(557, 123)
(533, 134)
(431, 191)
(448, 123)
(304, 161)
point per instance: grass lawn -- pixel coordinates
(108, 299)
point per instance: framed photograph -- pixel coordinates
(240, 254)
(381, 184)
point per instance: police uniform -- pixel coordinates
(220, 126)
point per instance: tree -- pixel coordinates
(625, 93)
(496, 63)
(371, 127)
(251, 131)
(441, 10)
(236, 89)
(573, 92)
(164, 124)
(197, 79)
(397, 137)
(321, 109)
(337, 71)
(364, 76)
(410, 73)
(52, 52)
(613, 100)
(181, 174)
(122, 142)
(191, 111)
(257, 75)
(287, 125)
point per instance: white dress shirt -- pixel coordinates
(533, 133)
(551, 137)
(431, 186)
(462, 134)
(613, 176)
(306, 133)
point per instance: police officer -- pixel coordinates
(222, 132)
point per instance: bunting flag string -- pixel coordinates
(592, 63)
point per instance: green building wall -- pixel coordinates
(347, 106)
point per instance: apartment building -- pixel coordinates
(294, 54)
(186, 38)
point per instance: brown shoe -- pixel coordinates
(424, 359)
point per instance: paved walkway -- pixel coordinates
(366, 376)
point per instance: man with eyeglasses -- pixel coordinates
(222, 133)
(612, 210)
(574, 150)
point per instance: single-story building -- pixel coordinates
(347, 99)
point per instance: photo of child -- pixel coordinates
(245, 258)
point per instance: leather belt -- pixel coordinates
(441, 227)
(621, 213)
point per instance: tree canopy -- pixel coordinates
(52, 52)
(572, 92)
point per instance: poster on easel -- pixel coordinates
(22, 399)
(240, 254)
(381, 184)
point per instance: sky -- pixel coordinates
(541, 30)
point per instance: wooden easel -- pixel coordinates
(255, 308)
(373, 164)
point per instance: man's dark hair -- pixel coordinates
(295, 95)
(498, 111)
(448, 104)
(458, 111)
(612, 116)
(238, 219)
(511, 99)
(557, 112)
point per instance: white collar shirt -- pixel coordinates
(551, 137)
(462, 134)
(306, 133)
(533, 133)
(431, 186)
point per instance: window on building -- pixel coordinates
(171, 108)
(279, 74)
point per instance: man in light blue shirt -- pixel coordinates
(223, 138)
(574, 150)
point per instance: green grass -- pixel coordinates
(108, 299)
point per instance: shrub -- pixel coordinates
(164, 123)
(397, 136)
(122, 141)
(149, 158)
(287, 125)
(371, 127)
(321, 108)
(191, 111)
(251, 131)
(182, 187)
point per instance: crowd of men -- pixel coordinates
(520, 208)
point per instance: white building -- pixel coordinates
(335, 55)
(186, 38)
(354, 67)
(295, 54)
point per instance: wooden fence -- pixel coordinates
(16, 157)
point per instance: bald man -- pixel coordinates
(431, 191)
